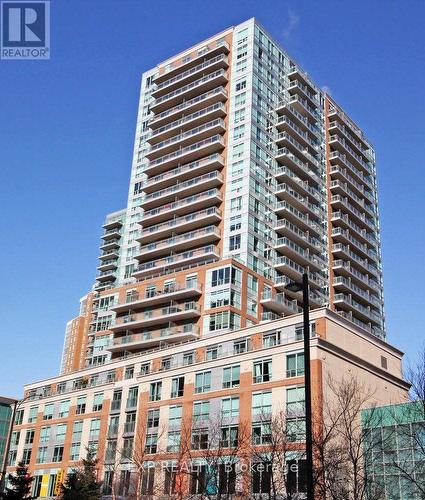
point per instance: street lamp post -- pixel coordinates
(298, 287)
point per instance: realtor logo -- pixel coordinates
(25, 30)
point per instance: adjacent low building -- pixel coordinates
(395, 449)
(6, 405)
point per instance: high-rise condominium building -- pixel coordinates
(245, 175)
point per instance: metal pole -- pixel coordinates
(7, 448)
(307, 379)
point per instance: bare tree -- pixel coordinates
(340, 452)
(213, 454)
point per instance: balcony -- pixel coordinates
(192, 186)
(345, 149)
(181, 207)
(176, 291)
(208, 82)
(336, 113)
(180, 225)
(343, 175)
(278, 303)
(286, 193)
(304, 92)
(343, 284)
(294, 146)
(182, 140)
(110, 234)
(341, 159)
(295, 271)
(289, 160)
(109, 244)
(285, 124)
(286, 228)
(180, 174)
(339, 250)
(107, 265)
(359, 147)
(361, 234)
(345, 268)
(198, 118)
(361, 219)
(213, 64)
(199, 103)
(112, 224)
(346, 302)
(295, 73)
(285, 107)
(155, 338)
(171, 71)
(208, 253)
(106, 276)
(298, 218)
(287, 247)
(189, 310)
(286, 174)
(303, 107)
(184, 241)
(109, 254)
(190, 153)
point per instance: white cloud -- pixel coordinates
(292, 24)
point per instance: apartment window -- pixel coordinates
(41, 455)
(229, 436)
(48, 412)
(19, 417)
(271, 339)
(261, 433)
(262, 403)
(240, 346)
(173, 441)
(127, 449)
(155, 391)
(236, 204)
(177, 387)
(116, 400)
(60, 433)
(94, 428)
(45, 434)
(262, 371)
(148, 480)
(261, 478)
(81, 405)
(129, 372)
(231, 376)
(295, 429)
(11, 459)
(199, 439)
(213, 352)
(234, 242)
(241, 85)
(113, 426)
(230, 407)
(151, 443)
(252, 284)
(175, 416)
(15, 438)
(153, 418)
(295, 401)
(235, 223)
(29, 436)
(165, 363)
(32, 416)
(295, 365)
(130, 422)
(201, 410)
(133, 393)
(64, 408)
(77, 430)
(188, 358)
(144, 368)
(98, 401)
(92, 447)
(26, 456)
(74, 452)
(202, 382)
(61, 387)
(57, 454)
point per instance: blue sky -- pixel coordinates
(67, 129)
